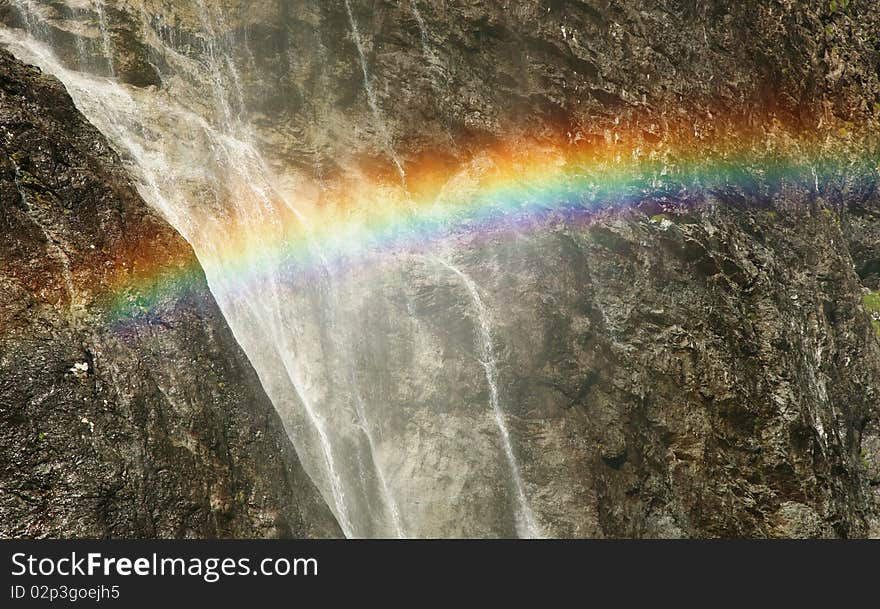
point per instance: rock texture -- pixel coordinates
(700, 364)
(124, 412)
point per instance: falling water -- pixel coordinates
(263, 186)
(220, 84)
(32, 19)
(390, 502)
(526, 524)
(121, 117)
(423, 34)
(203, 172)
(371, 95)
(217, 81)
(364, 423)
(339, 502)
(105, 36)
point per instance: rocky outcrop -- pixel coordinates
(699, 363)
(126, 407)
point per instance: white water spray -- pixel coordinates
(105, 36)
(388, 498)
(218, 82)
(526, 524)
(119, 115)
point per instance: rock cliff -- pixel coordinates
(123, 412)
(696, 359)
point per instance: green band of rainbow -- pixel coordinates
(519, 185)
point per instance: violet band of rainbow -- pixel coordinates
(517, 187)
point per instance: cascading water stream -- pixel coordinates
(105, 36)
(371, 95)
(116, 112)
(32, 19)
(390, 501)
(217, 80)
(430, 55)
(261, 185)
(526, 524)
(388, 498)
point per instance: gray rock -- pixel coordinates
(125, 410)
(713, 373)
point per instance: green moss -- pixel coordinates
(28, 180)
(872, 302)
(658, 218)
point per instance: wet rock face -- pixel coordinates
(124, 412)
(702, 364)
(470, 72)
(473, 71)
(711, 373)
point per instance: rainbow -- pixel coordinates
(517, 185)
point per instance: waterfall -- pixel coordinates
(339, 502)
(526, 524)
(371, 95)
(386, 468)
(105, 36)
(388, 498)
(123, 118)
(390, 502)
(32, 19)
(273, 321)
(217, 80)
(423, 34)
